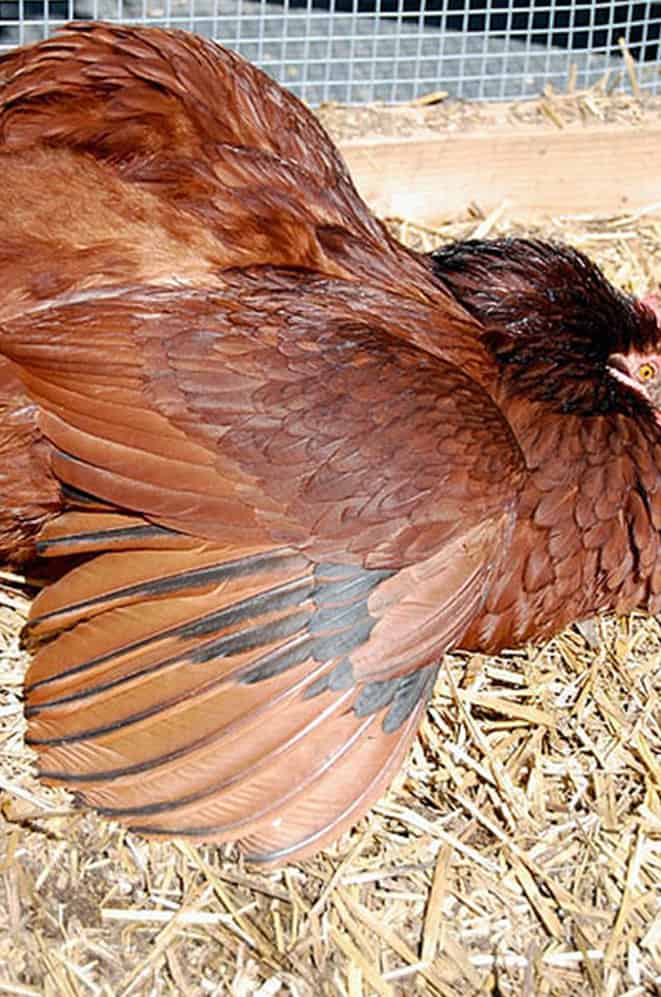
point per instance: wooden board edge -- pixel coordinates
(541, 173)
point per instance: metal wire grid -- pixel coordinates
(357, 51)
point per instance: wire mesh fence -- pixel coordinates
(357, 51)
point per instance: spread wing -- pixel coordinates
(313, 513)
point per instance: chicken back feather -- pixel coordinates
(299, 462)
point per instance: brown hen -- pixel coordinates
(304, 462)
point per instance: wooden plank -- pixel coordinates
(539, 171)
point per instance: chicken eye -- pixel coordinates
(646, 372)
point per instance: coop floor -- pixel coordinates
(515, 855)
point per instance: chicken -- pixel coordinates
(301, 462)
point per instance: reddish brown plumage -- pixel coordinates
(302, 462)
(30, 493)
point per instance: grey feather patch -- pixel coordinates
(277, 598)
(316, 688)
(374, 696)
(412, 689)
(248, 640)
(338, 617)
(338, 680)
(332, 572)
(276, 662)
(344, 641)
(342, 676)
(402, 694)
(339, 623)
(348, 589)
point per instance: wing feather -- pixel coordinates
(30, 493)
(322, 429)
(313, 513)
(223, 710)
